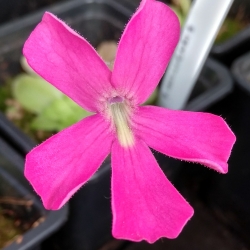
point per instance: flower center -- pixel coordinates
(120, 118)
(116, 99)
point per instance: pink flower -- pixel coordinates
(145, 204)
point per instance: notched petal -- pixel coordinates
(67, 61)
(61, 165)
(192, 136)
(145, 204)
(145, 49)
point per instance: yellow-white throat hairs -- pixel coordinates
(120, 119)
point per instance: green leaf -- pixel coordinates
(62, 113)
(152, 98)
(185, 7)
(179, 14)
(229, 28)
(33, 92)
(26, 66)
(44, 123)
(5, 93)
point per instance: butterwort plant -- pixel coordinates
(145, 205)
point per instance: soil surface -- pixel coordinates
(9, 229)
(16, 219)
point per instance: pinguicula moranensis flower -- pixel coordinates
(145, 204)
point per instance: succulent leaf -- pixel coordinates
(33, 92)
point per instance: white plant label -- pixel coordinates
(197, 37)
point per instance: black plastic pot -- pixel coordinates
(13, 9)
(13, 185)
(229, 194)
(236, 46)
(241, 72)
(15, 138)
(213, 84)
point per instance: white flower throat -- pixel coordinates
(121, 121)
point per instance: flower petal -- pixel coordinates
(68, 61)
(145, 204)
(192, 136)
(145, 49)
(61, 165)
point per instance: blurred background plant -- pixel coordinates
(40, 109)
(231, 26)
(181, 9)
(37, 107)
